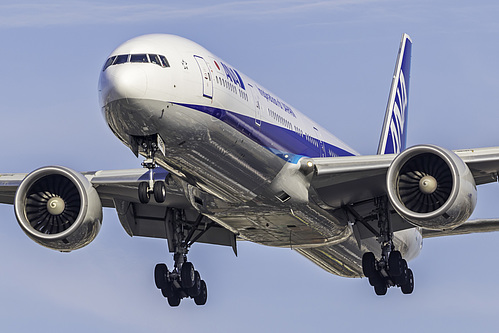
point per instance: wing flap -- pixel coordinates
(150, 221)
(469, 227)
(483, 163)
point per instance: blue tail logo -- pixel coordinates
(394, 133)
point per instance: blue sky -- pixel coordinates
(332, 60)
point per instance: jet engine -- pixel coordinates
(431, 187)
(58, 208)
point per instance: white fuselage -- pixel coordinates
(235, 144)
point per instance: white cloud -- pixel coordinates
(79, 12)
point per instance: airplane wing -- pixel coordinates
(337, 179)
(119, 189)
(348, 185)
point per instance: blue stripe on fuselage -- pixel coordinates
(285, 143)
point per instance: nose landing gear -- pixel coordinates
(157, 188)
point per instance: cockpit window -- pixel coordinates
(165, 62)
(156, 59)
(109, 62)
(139, 58)
(121, 59)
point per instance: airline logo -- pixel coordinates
(397, 123)
(396, 131)
(233, 76)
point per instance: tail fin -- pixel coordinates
(394, 132)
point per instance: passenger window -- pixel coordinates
(139, 58)
(121, 59)
(108, 63)
(155, 59)
(165, 62)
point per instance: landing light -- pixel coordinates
(307, 167)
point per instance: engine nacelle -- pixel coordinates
(58, 208)
(431, 187)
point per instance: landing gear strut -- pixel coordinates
(391, 269)
(150, 145)
(183, 281)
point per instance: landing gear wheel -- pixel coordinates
(380, 289)
(183, 281)
(395, 264)
(161, 276)
(188, 275)
(174, 299)
(368, 264)
(168, 291)
(159, 191)
(203, 295)
(144, 192)
(408, 287)
(402, 279)
(196, 288)
(376, 279)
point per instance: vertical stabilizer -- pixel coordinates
(394, 132)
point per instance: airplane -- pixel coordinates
(226, 160)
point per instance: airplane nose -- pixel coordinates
(122, 81)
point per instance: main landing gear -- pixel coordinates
(180, 283)
(156, 188)
(384, 273)
(183, 281)
(391, 269)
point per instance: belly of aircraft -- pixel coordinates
(229, 177)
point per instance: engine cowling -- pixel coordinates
(58, 208)
(431, 187)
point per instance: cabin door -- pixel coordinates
(207, 77)
(257, 105)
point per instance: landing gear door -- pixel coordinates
(258, 106)
(207, 77)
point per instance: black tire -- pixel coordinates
(174, 300)
(408, 287)
(188, 275)
(380, 289)
(196, 288)
(159, 191)
(395, 264)
(402, 279)
(144, 196)
(376, 279)
(168, 291)
(161, 276)
(368, 264)
(203, 295)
